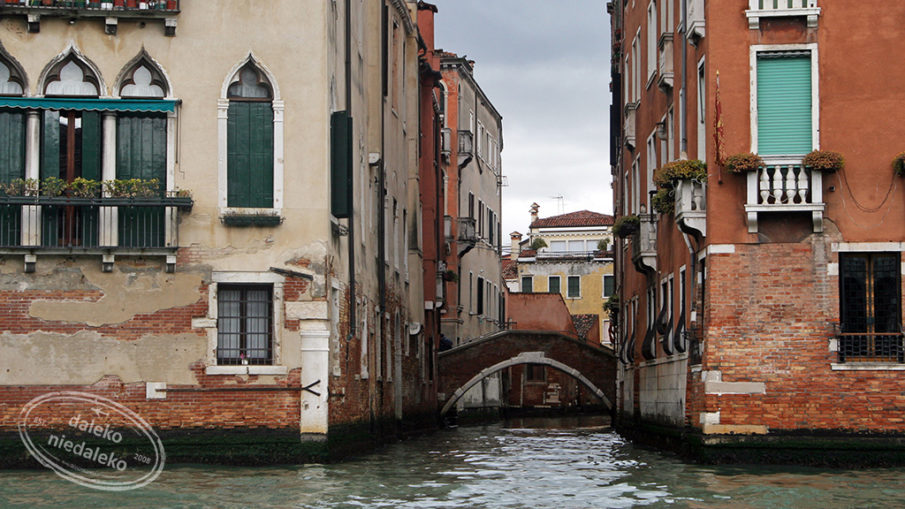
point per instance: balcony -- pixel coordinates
(691, 206)
(631, 111)
(32, 225)
(467, 234)
(695, 25)
(665, 62)
(870, 347)
(466, 146)
(644, 244)
(110, 10)
(758, 9)
(784, 185)
(445, 142)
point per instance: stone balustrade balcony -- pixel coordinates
(644, 244)
(758, 9)
(691, 206)
(783, 185)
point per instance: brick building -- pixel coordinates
(761, 302)
(270, 286)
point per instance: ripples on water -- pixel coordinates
(512, 466)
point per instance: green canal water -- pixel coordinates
(558, 464)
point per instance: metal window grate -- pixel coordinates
(871, 347)
(245, 324)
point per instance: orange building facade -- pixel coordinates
(759, 299)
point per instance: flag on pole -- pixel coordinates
(718, 130)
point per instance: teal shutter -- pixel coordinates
(340, 164)
(12, 166)
(141, 153)
(50, 145)
(784, 109)
(250, 154)
(91, 145)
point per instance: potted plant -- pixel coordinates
(20, 187)
(53, 186)
(538, 243)
(666, 178)
(743, 163)
(450, 275)
(898, 164)
(664, 200)
(824, 160)
(84, 188)
(626, 226)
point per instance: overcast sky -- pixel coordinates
(545, 67)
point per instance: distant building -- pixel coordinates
(761, 303)
(569, 254)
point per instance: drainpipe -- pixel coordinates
(350, 193)
(683, 101)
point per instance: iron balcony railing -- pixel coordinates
(885, 347)
(49, 6)
(74, 224)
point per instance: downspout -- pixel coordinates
(683, 101)
(350, 193)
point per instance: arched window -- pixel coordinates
(12, 148)
(250, 140)
(141, 152)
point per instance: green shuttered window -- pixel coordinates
(784, 109)
(12, 167)
(250, 154)
(141, 153)
(340, 164)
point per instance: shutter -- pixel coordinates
(784, 109)
(341, 164)
(91, 145)
(141, 153)
(250, 154)
(50, 145)
(12, 145)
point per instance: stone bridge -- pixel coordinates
(466, 365)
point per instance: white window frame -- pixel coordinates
(636, 185)
(651, 164)
(210, 323)
(651, 40)
(701, 111)
(815, 87)
(603, 285)
(636, 67)
(222, 144)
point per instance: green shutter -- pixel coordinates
(784, 109)
(141, 153)
(250, 154)
(91, 145)
(50, 145)
(12, 166)
(341, 164)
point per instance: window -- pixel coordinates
(480, 296)
(609, 285)
(636, 186)
(576, 246)
(553, 284)
(527, 284)
(636, 68)
(651, 38)
(574, 287)
(250, 141)
(870, 300)
(12, 155)
(702, 112)
(535, 373)
(244, 324)
(651, 162)
(785, 116)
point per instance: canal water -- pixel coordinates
(562, 464)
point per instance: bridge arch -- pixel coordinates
(524, 358)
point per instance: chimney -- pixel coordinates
(516, 238)
(533, 210)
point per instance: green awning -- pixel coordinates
(85, 104)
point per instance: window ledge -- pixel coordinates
(246, 370)
(867, 366)
(254, 217)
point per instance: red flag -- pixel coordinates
(718, 129)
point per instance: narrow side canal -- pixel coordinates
(563, 464)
